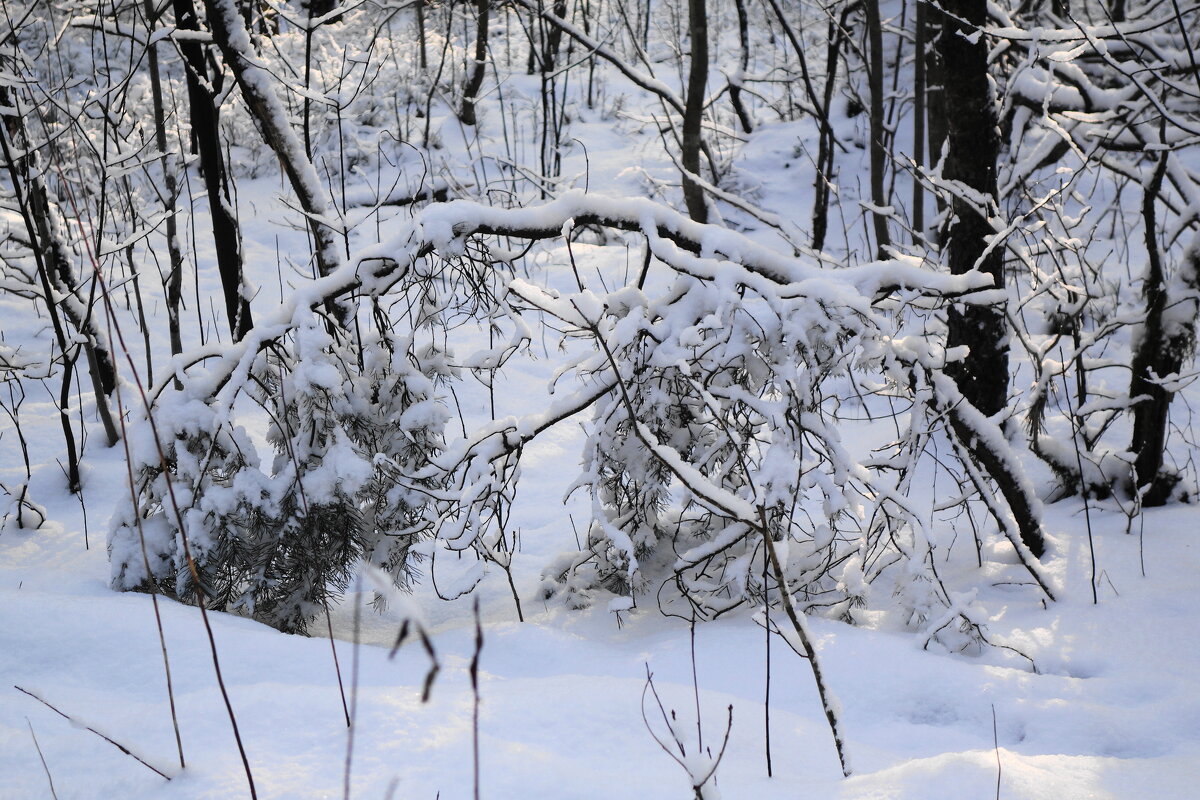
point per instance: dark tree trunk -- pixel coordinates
(826, 143)
(735, 87)
(39, 210)
(918, 195)
(1021, 503)
(876, 146)
(1061, 10)
(13, 125)
(271, 118)
(1161, 351)
(423, 53)
(58, 261)
(973, 146)
(552, 38)
(693, 113)
(227, 237)
(467, 114)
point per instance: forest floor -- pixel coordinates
(1113, 711)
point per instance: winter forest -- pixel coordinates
(599, 399)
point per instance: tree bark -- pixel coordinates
(467, 112)
(876, 149)
(1160, 352)
(39, 209)
(693, 113)
(227, 236)
(735, 86)
(918, 193)
(231, 37)
(14, 125)
(973, 147)
(826, 142)
(552, 38)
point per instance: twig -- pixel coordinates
(475, 699)
(767, 682)
(697, 780)
(434, 666)
(336, 666)
(809, 651)
(696, 682)
(45, 766)
(162, 637)
(1076, 424)
(996, 748)
(158, 444)
(353, 690)
(85, 726)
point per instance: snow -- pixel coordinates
(1112, 714)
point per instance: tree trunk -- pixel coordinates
(422, 52)
(935, 98)
(14, 125)
(918, 194)
(876, 147)
(973, 146)
(1160, 352)
(173, 283)
(552, 38)
(39, 210)
(231, 37)
(227, 237)
(826, 143)
(693, 113)
(467, 114)
(735, 86)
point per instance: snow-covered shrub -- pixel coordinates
(720, 389)
(716, 422)
(275, 541)
(717, 399)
